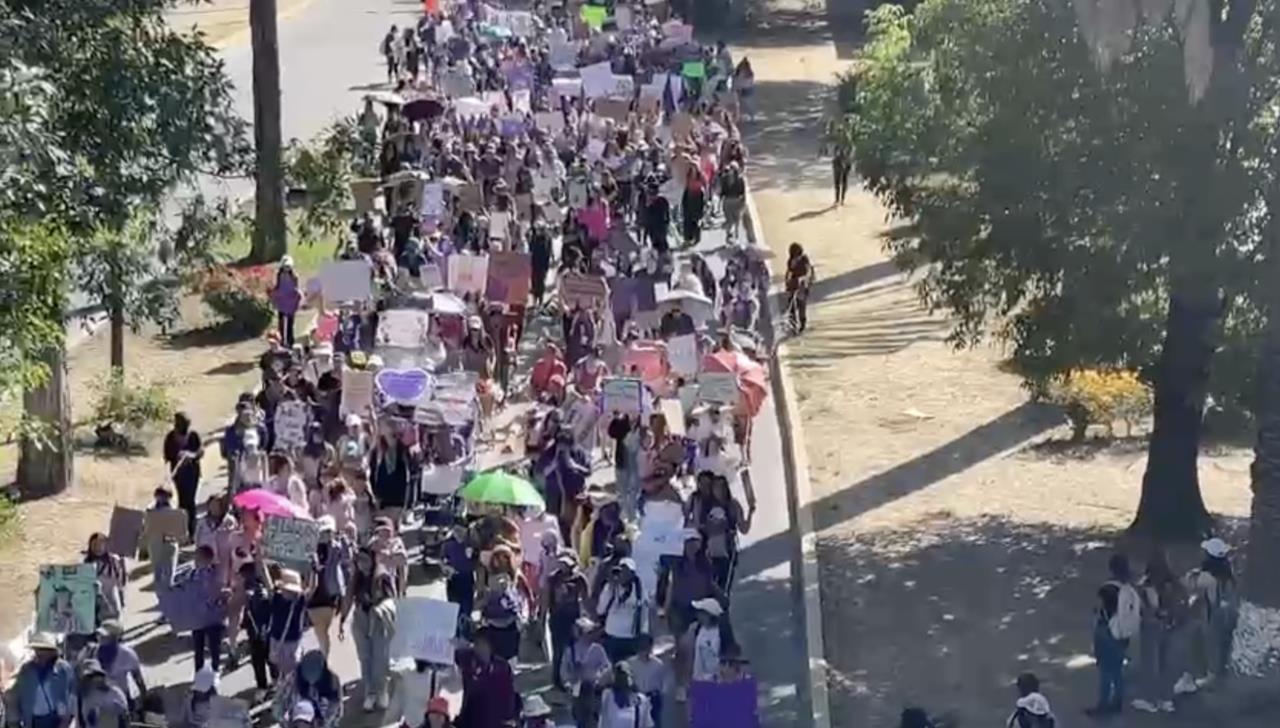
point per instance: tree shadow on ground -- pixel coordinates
(945, 613)
(793, 129)
(221, 334)
(232, 368)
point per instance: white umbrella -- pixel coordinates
(699, 307)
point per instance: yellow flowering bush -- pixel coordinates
(1101, 397)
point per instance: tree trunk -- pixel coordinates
(1261, 583)
(269, 225)
(117, 337)
(44, 466)
(1172, 508)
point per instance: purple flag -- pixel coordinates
(717, 705)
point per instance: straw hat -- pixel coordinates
(42, 641)
(289, 581)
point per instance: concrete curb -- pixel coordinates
(795, 463)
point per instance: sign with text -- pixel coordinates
(585, 291)
(161, 523)
(291, 541)
(291, 423)
(682, 353)
(510, 278)
(662, 528)
(623, 394)
(468, 273)
(66, 599)
(718, 387)
(425, 629)
(357, 391)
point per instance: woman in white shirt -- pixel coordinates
(284, 482)
(701, 647)
(622, 706)
(622, 608)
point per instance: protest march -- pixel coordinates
(554, 246)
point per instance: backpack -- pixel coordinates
(1127, 620)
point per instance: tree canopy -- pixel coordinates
(1087, 217)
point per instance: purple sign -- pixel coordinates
(717, 704)
(406, 386)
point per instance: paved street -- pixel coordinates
(329, 56)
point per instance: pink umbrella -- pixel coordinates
(269, 504)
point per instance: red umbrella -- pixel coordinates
(753, 385)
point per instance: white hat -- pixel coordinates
(353, 420)
(303, 711)
(326, 523)
(1035, 704)
(535, 707)
(1216, 547)
(42, 641)
(710, 606)
(205, 680)
(286, 262)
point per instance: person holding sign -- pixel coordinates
(113, 577)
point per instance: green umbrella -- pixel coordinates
(497, 486)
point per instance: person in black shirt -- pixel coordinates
(182, 452)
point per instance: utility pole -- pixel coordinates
(269, 226)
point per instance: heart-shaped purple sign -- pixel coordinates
(405, 386)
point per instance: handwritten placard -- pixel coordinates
(623, 394)
(404, 327)
(585, 291)
(510, 278)
(346, 280)
(425, 629)
(125, 532)
(662, 528)
(673, 412)
(718, 387)
(682, 353)
(66, 600)
(468, 273)
(597, 80)
(291, 424)
(291, 541)
(357, 391)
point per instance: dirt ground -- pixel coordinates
(957, 547)
(205, 369)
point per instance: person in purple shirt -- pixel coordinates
(208, 597)
(287, 298)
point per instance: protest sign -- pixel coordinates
(570, 87)
(718, 704)
(407, 327)
(677, 31)
(718, 387)
(468, 273)
(594, 16)
(673, 412)
(623, 395)
(443, 479)
(432, 277)
(291, 424)
(563, 55)
(519, 22)
(552, 121)
(291, 541)
(522, 102)
(510, 278)
(616, 109)
(125, 532)
(425, 629)
(432, 199)
(682, 352)
(164, 523)
(365, 194)
(597, 80)
(66, 600)
(184, 605)
(693, 69)
(470, 106)
(346, 280)
(409, 386)
(511, 125)
(622, 17)
(594, 152)
(623, 87)
(357, 391)
(585, 291)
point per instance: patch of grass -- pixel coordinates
(10, 520)
(308, 258)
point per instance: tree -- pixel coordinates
(269, 224)
(127, 109)
(1087, 216)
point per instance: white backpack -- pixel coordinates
(1128, 617)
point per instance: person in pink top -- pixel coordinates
(595, 218)
(549, 374)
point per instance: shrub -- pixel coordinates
(242, 296)
(1100, 397)
(125, 406)
(10, 517)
